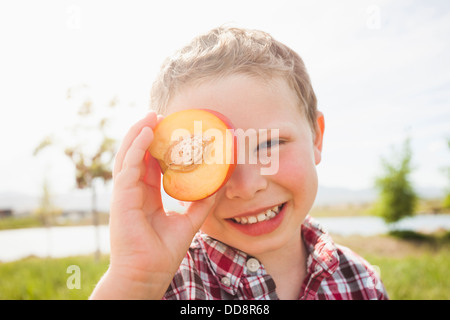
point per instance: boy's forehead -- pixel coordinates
(248, 102)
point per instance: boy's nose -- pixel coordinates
(245, 182)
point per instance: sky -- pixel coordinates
(380, 70)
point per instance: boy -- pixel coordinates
(219, 249)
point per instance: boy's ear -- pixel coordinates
(318, 140)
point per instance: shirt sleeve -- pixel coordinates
(186, 283)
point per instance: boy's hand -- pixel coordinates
(147, 243)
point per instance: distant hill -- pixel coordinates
(330, 195)
(81, 199)
(76, 200)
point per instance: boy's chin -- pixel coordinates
(259, 246)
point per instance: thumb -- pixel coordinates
(199, 210)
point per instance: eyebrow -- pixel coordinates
(279, 125)
(283, 127)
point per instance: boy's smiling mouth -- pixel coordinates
(261, 222)
(262, 216)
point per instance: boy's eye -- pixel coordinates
(268, 144)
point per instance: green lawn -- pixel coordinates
(46, 279)
(412, 265)
(415, 277)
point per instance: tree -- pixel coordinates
(92, 157)
(46, 210)
(397, 198)
(89, 168)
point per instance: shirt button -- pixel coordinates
(225, 281)
(253, 264)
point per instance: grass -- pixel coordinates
(46, 279)
(17, 223)
(412, 265)
(33, 221)
(421, 277)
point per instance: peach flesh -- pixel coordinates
(196, 151)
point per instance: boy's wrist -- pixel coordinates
(123, 285)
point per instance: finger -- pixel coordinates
(152, 178)
(129, 182)
(150, 121)
(199, 210)
(138, 148)
(152, 173)
(159, 118)
(154, 201)
(138, 157)
(133, 165)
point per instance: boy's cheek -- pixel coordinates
(269, 165)
(300, 180)
(295, 171)
(290, 171)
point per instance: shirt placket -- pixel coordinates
(312, 282)
(256, 284)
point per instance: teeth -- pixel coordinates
(261, 217)
(269, 214)
(252, 219)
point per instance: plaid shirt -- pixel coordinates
(212, 270)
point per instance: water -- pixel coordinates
(69, 241)
(51, 242)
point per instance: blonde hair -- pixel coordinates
(225, 51)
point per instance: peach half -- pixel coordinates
(196, 150)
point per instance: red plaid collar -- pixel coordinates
(226, 261)
(322, 250)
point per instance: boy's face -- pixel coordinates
(253, 104)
